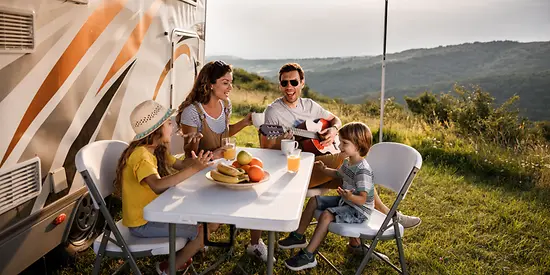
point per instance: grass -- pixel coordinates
(478, 218)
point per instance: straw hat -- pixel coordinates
(147, 117)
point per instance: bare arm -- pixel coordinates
(322, 168)
(159, 185)
(237, 127)
(192, 145)
(328, 134)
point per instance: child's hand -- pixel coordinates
(202, 160)
(346, 194)
(319, 165)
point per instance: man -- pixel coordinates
(290, 110)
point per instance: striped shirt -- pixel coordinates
(358, 177)
(190, 117)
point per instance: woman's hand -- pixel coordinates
(247, 120)
(202, 160)
(218, 153)
(189, 138)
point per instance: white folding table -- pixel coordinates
(273, 206)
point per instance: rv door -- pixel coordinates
(184, 64)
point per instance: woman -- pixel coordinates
(207, 110)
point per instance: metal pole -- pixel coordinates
(270, 251)
(383, 81)
(172, 247)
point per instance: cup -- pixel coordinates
(293, 161)
(230, 151)
(288, 145)
(258, 119)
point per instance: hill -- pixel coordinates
(503, 68)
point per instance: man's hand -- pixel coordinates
(202, 160)
(346, 194)
(328, 135)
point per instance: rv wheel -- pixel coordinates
(87, 224)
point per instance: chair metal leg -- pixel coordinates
(367, 257)
(223, 258)
(399, 242)
(329, 263)
(101, 251)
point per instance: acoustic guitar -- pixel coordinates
(310, 140)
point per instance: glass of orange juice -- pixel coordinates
(293, 160)
(230, 151)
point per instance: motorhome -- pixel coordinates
(71, 71)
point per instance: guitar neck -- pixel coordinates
(304, 133)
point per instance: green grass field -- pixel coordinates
(485, 209)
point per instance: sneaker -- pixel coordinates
(301, 261)
(292, 241)
(408, 221)
(357, 250)
(259, 250)
(163, 267)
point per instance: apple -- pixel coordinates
(244, 157)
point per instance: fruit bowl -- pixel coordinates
(243, 185)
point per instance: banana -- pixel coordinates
(229, 170)
(216, 175)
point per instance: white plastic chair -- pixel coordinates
(97, 163)
(394, 166)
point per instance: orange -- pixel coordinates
(236, 164)
(246, 167)
(256, 161)
(255, 173)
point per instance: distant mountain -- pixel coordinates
(503, 68)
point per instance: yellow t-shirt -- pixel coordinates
(135, 193)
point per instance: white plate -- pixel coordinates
(238, 185)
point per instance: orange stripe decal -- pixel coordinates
(133, 43)
(183, 49)
(86, 36)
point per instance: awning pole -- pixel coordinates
(383, 84)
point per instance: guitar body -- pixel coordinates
(307, 136)
(313, 145)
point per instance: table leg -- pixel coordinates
(270, 251)
(172, 247)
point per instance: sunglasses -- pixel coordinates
(293, 82)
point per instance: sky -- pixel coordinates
(273, 29)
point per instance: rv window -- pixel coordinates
(191, 2)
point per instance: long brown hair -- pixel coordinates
(201, 91)
(160, 153)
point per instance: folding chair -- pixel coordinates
(97, 163)
(394, 166)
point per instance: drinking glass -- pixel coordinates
(230, 151)
(293, 160)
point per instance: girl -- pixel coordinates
(207, 110)
(353, 205)
(145, 170)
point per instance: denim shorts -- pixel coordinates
(342, 213)
(159, 229)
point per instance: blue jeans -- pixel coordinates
(159, 229)
(342, 213)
